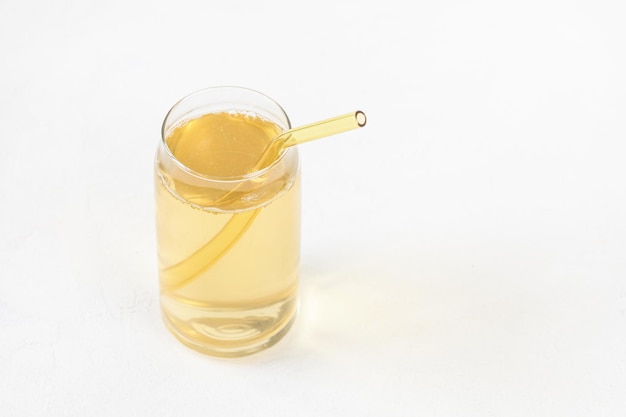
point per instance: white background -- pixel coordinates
(464, 254)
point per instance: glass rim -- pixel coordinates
(226, 179)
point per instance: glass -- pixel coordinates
(228, 236)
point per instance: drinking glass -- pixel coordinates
(228, 241)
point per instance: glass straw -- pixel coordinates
(308, 133)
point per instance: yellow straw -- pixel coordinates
(308, 133)
(182, 273)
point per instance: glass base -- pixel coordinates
(229, 332)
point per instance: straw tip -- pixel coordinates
(360, 118)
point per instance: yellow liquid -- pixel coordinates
(228, 263)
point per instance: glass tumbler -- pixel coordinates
(228, 232)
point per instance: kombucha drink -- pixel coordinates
(228, 234)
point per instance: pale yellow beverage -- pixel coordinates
(228, 233)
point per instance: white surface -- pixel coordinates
(463, 255)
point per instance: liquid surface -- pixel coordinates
(228, 277)
(222, 144)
